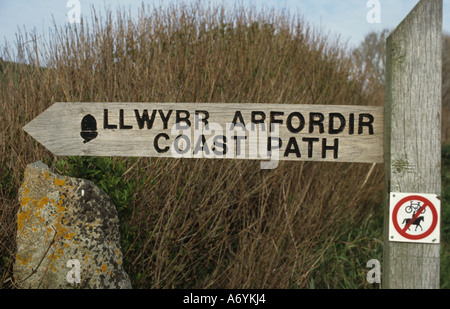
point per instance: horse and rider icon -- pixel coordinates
(414, 207)
(416, 222)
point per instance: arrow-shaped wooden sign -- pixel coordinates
(213, 130)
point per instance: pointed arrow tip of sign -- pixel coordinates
(28, 128)
(25, 127)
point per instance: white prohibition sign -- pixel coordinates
(414, 217)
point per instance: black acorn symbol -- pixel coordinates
(88, 128)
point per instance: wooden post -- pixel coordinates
(413, 136)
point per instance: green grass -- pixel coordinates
(343, 266)
(445, 216)
(106, 173)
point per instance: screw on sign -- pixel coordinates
(414, 217)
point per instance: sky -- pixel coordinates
(347, 19)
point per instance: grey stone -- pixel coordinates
(67, 229)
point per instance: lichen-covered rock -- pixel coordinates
(67, 234)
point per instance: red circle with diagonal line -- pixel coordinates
(426, 203)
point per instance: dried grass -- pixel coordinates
(199, 223)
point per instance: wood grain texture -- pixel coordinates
(359, 130)
(413, 136)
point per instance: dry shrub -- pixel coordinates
(200, 223)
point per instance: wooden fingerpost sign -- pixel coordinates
(413, 149)
(311, 132)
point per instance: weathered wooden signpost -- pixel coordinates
(413, 144)
(405, 136)
(213, 130)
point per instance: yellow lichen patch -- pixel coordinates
(69, 235)
(59, 207)
(104, 267)
(47, 175)
(22, 261)
(53, 267)
(60, 182)
(42, 202)
(49, 231)
(60, 230)
(24, 201)
(53, 257)
(21, 217)
(37, 214)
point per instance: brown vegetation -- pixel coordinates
(201, 223)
